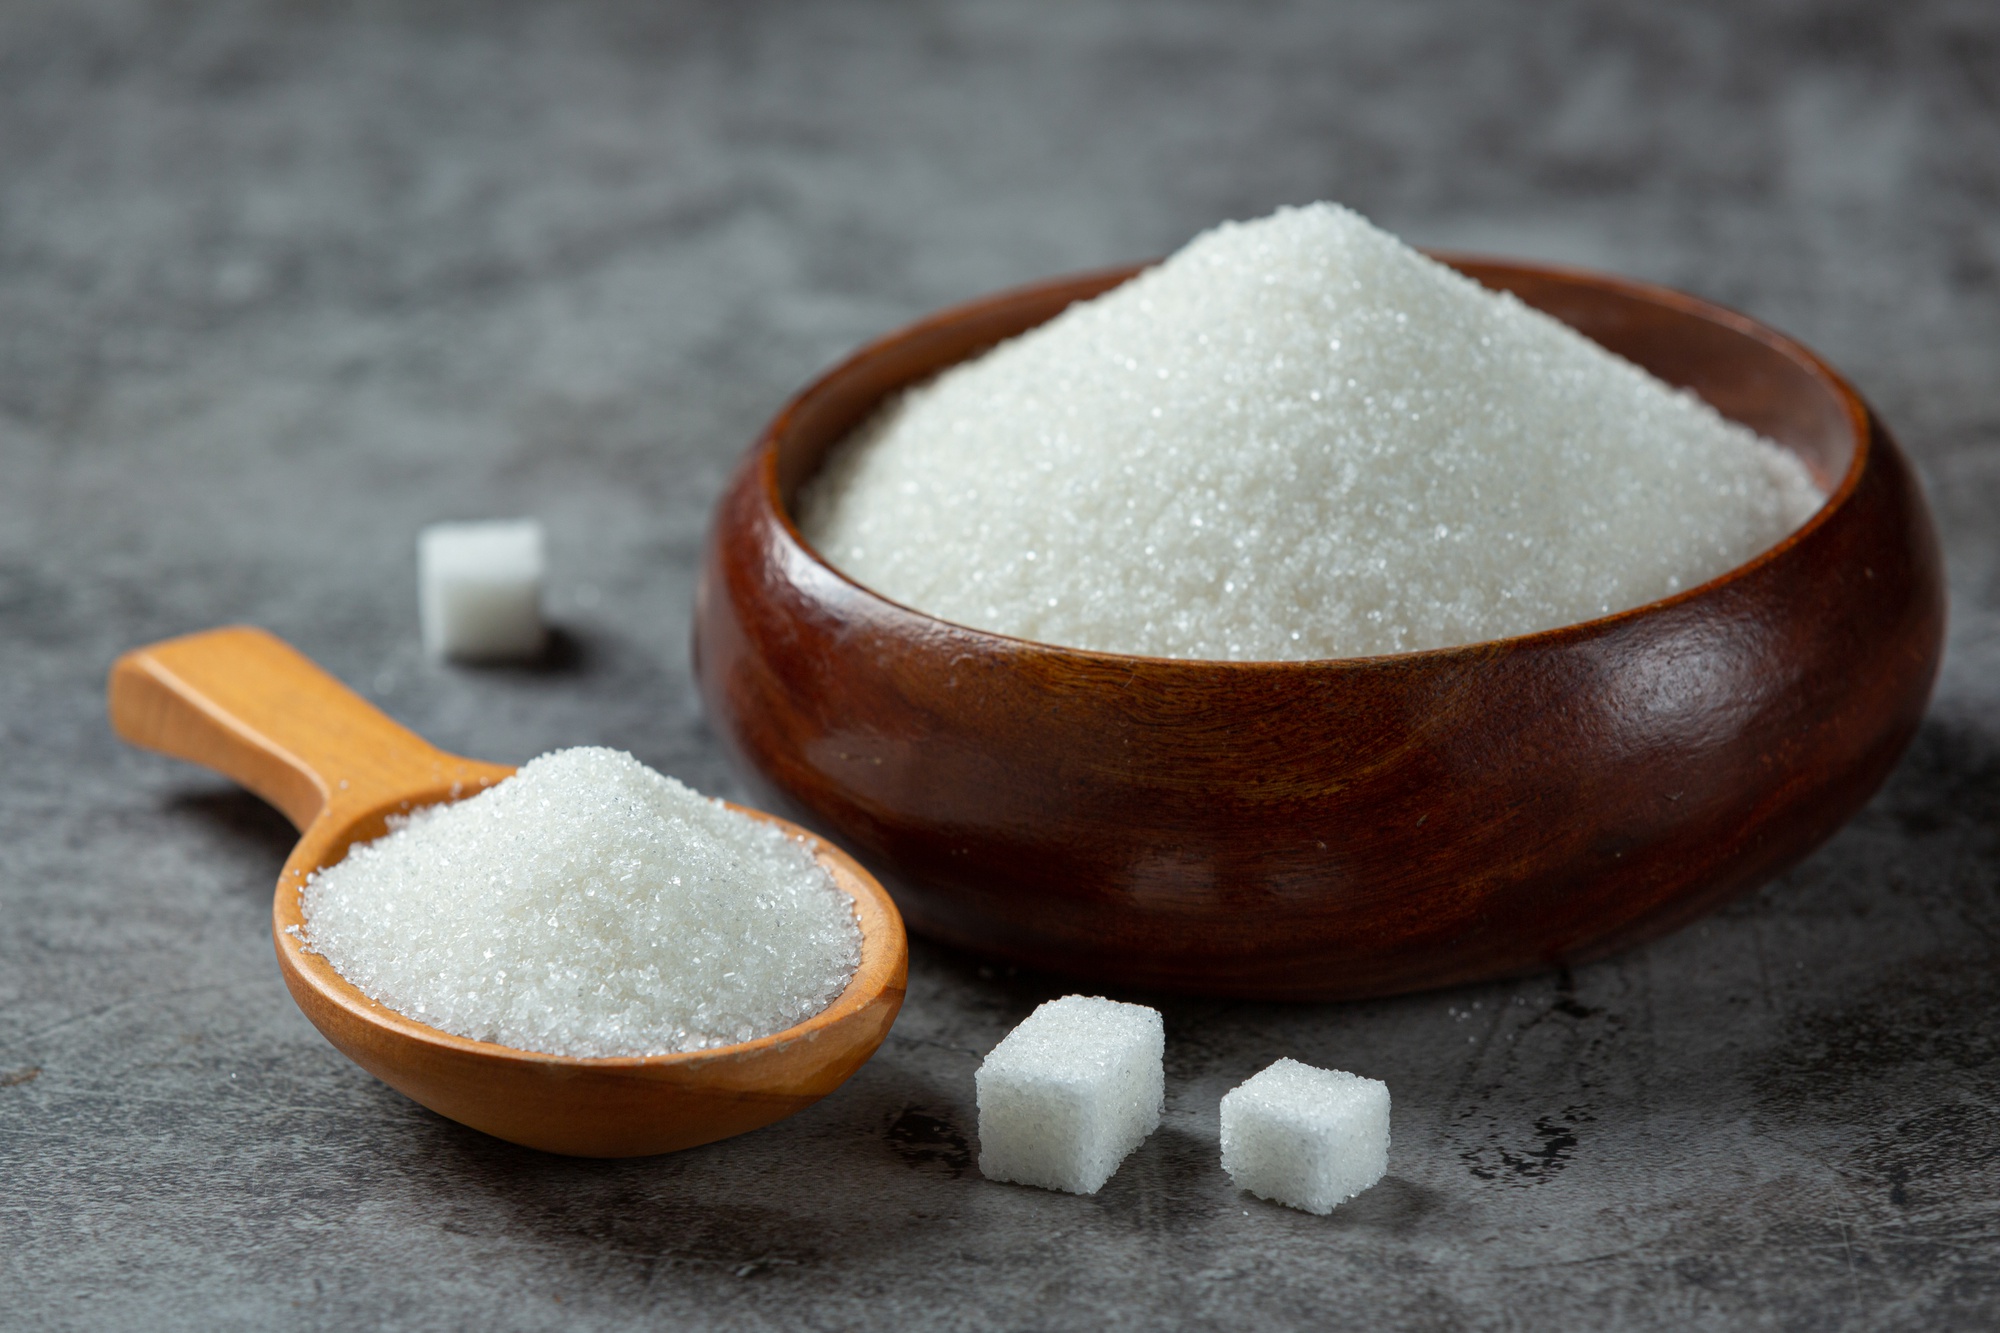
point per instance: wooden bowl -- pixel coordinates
(1354, 827)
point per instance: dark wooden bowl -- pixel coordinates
(1317, 830)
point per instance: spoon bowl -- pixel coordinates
(247, 704)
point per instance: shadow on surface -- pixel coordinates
(1948, 779)
(929, 1140)
(241, 818)
(1394, 1204)
(840, 1183)
(566, 653)
(612, 1218)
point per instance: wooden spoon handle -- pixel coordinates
(247, 704)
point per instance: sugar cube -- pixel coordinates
(479, 589)
(1067, 1094)
(1306, 1137)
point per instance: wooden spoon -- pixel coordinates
(249, 705)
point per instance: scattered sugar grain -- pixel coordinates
(1068, 1094)
(1296, 438)
(588, 906)
(1309, 1138)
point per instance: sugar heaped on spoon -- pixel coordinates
(247, 704)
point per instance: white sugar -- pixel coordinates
(1067, 1094)
(1297, 438)
(1306, 1137)
(479, 589)
(588, 906)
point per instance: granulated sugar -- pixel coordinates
(588, 906)
(1297, 438)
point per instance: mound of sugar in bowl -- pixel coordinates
(588, 906)
(1296, 438)
(1307, 1137)
(1070, 1092)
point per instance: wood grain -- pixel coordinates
(1352, 827)
(249, 705)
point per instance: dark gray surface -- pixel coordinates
(280, 284)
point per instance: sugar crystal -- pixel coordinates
(1296, 438)
(588, 906)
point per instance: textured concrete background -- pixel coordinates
(281, 283)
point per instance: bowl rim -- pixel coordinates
(1860, 419)
(879, 969)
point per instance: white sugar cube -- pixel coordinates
(1306, 1137)
(1067, 1094)
(479, 589)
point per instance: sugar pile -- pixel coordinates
(588, 906)
(1296, 438)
